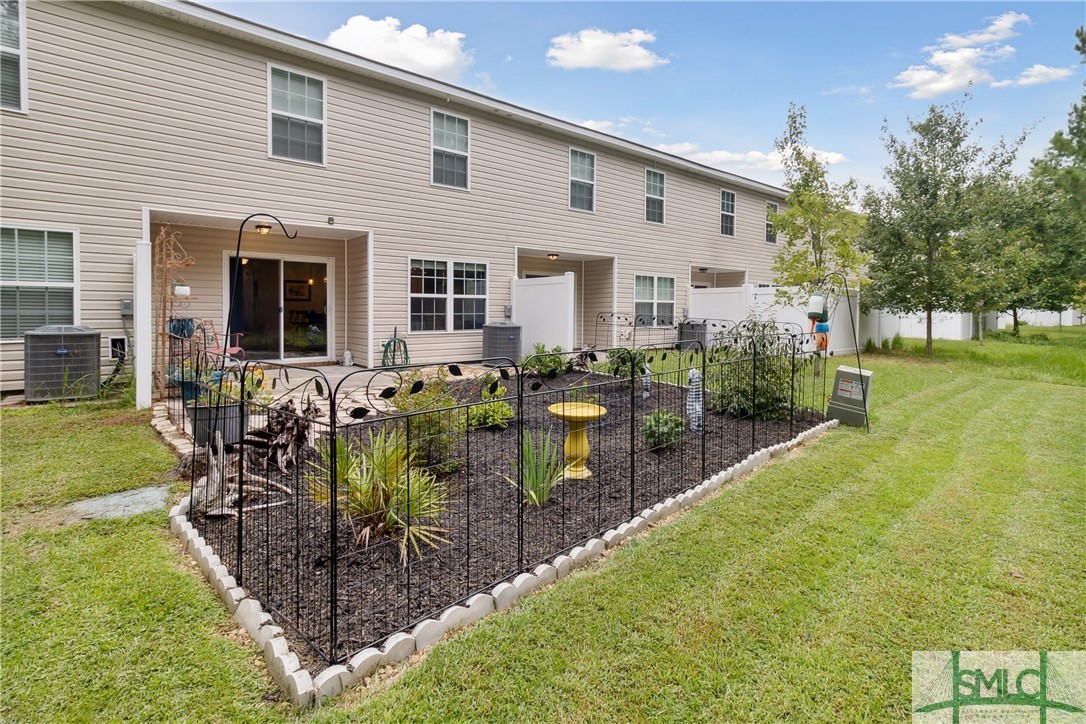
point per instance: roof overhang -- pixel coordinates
(248, 31)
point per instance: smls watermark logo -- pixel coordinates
(1002, 686)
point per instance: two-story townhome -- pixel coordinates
(416, 203)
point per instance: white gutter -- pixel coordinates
(220, 22)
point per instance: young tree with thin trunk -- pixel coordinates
(916, 221)
(818, 226)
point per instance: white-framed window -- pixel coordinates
(654, 196)
(13, 55)
(451, 148)
(38, 273)
(654, 301)
(727, 212)
(438, 303)
(582, 180)
(770, 232)
(296, 115)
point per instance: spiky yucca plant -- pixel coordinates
(381, 491)
(540, 469)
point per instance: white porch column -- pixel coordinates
(142, 331)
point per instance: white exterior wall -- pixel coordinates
(131, 111)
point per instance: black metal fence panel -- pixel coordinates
(356, 509)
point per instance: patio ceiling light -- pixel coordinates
(552, 256)
(263, 229)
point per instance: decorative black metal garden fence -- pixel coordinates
(355, 509)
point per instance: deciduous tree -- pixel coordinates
(818, 226)
(916, 221)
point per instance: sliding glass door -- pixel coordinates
(281, 308)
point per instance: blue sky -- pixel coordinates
(713, 80)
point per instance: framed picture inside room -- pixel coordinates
(297, 290)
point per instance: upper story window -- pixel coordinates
(770, 232)
(654, 301)
(450, 141)
(438, 305)
(654, 196)
(727, 212)
(12, 55)
(582, 180)
(37, 279)
(296, 116)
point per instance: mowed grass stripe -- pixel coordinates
(812, 572)
(918, 587)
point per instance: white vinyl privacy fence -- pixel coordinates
(739, 303)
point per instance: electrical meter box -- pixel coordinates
(851, 396)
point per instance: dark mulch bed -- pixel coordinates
(288, 564)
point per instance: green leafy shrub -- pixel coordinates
(870, 346)
(540, 468)
(662, 429)
(897, 342)
(380, 490)
(626, 363)
(543, 363)
(433, 435)
(494, 413)
(755, 374)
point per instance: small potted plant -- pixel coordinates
(221, 405)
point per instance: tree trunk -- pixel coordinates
(980, 322)
(927, 343)
(1014, 316)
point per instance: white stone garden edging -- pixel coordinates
(305, 690)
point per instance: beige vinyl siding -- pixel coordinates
(597, 298)
(131, 111)
(718, 279)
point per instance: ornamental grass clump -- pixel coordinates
(380, 490)
(540, 468)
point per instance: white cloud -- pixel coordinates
(594, 48)
(655, 132)
(1001, 28)
(757, 160)
(958, 61)
(603, 126)
(484, 82)
(1040, 74)
(951, 70)
(438, 54)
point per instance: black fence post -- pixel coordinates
(333, 515)
(753, 394)
(704, 411)
(520, 469)
(792, 392)
(633, 429)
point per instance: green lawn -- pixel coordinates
(54, 454)
(798, 592)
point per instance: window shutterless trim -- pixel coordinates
(655, 301)
(733, 214)
(21, 54)
(592, 183)
(448, 296)
(285, 114)
(769, 229)
(77, 308)
(435, 147)
(662, 197)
